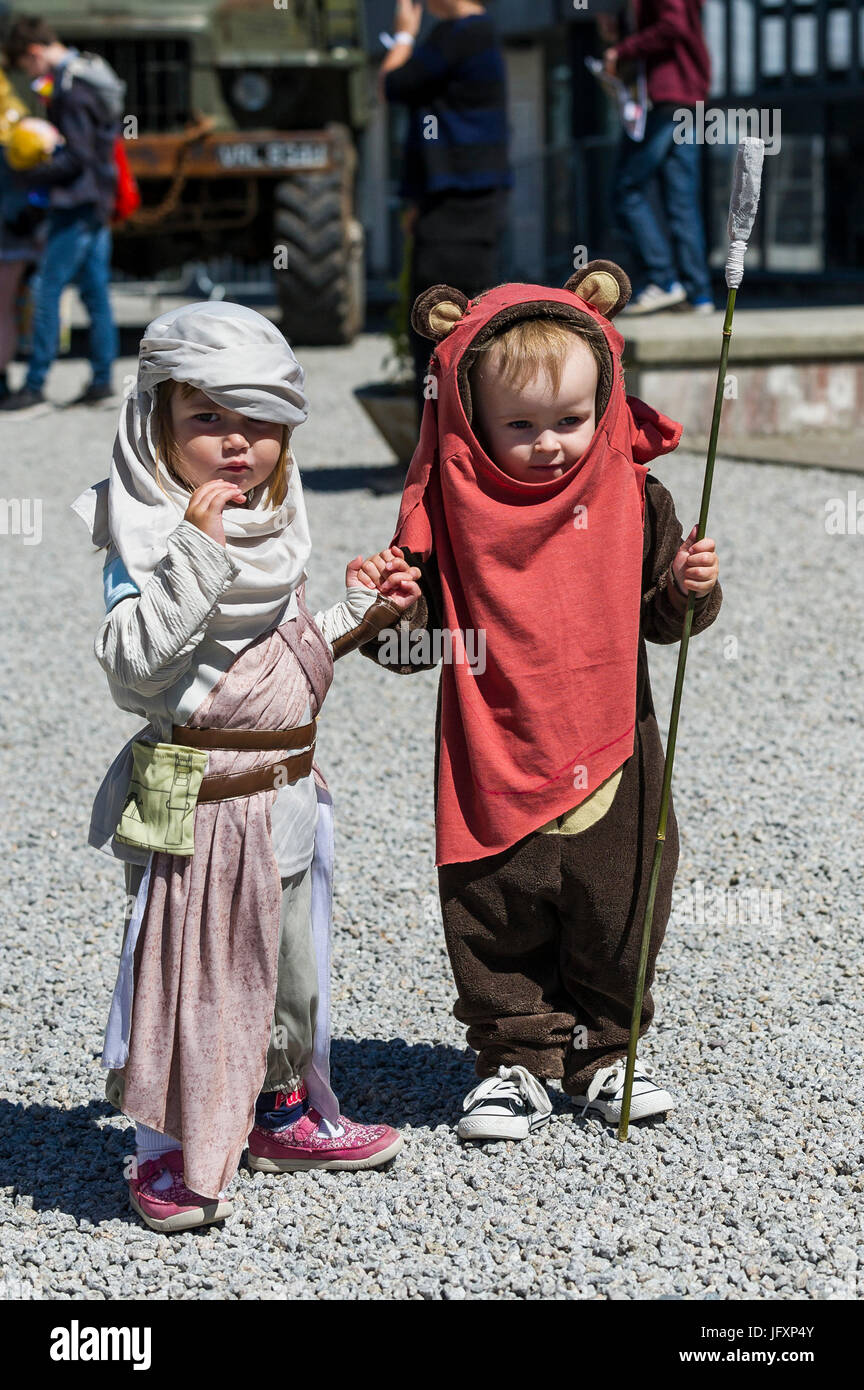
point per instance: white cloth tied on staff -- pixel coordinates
(743, 205)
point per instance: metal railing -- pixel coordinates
(157, 73)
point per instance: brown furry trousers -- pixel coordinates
(544, 937)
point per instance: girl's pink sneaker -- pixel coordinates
(172, 1207)
(304, 1145)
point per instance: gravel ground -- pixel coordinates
(751, 1189)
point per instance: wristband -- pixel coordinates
(391, 40)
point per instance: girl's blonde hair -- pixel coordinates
(168, 453)
(523, 350)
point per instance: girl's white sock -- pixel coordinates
(330, 1131)
(149, 1143)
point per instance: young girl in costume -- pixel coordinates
(540, 535)
(218, 1032)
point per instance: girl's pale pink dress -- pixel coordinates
(205, 959)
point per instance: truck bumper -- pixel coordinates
(231, 154)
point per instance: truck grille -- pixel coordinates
(157, 73)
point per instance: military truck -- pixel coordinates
(241, 124)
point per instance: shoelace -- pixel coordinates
(511, 1083)
(611, 1081)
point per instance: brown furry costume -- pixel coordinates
(544, 936)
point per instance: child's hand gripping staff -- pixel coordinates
(746, 183)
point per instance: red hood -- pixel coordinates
(550, 574)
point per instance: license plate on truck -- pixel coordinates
(239, 155)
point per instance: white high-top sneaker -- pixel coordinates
(510, 1105)
(605, 1094)
(652, 299)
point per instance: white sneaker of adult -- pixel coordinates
(510, 1105)
(652, 299)
(605, 1094)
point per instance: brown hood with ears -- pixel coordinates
(602, 284)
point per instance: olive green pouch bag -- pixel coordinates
(160, 806)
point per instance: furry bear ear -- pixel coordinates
(602, 284)
(437, 311)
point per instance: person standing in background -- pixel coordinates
(85, 102)
(456, 171)
(672, 264)
(20, 240)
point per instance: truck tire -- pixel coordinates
(320, 267)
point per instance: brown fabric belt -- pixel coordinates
(226, 786)
(259, 779)
(242, 740)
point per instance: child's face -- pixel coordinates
(213, 442)
(533, 433)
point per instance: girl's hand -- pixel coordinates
(696, 566)
(389, 573)
(207, 504)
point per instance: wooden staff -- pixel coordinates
(746, 184)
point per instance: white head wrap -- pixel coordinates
(242, 361)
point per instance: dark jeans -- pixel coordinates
(77, 251)
(457, 237)
(679, 253)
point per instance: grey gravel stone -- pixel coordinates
(751, 1188)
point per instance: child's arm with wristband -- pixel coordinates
(376, 597)
(424, 616)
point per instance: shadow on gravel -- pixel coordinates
(64, 1160)
(383, 480)
(421, 1084)
(399, 1083)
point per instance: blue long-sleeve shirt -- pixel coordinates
(456, 86)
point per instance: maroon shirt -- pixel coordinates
(669, 39)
